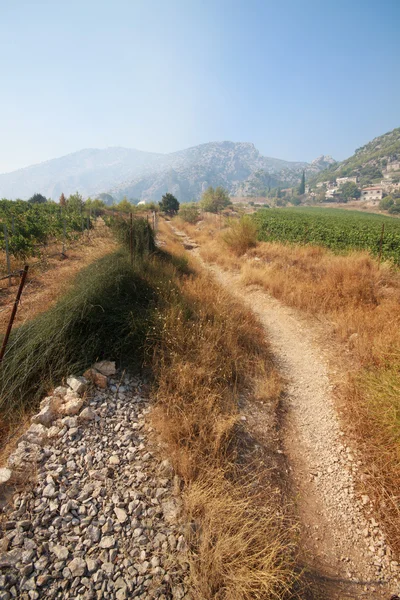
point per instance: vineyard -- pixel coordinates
(29, 227)
(339, 230)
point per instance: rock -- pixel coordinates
(71, 407)
(114, 460)
(77, 567)
(60, 551)
(60, 391)
(5, 475)
(25, 456)
(97, 378)
(107, 542)
(92, 565)
(105, 367)
(120, 514)
(45, 417)
(87, 414)
(49, 491)
(36, 434)
(77, 384)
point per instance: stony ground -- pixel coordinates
(100, 518)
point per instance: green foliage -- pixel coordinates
(339, 230)
(215, 200)
(37, 199)
(75, 202)
(349, 190)
(143, 242)
(107, 199)
(30, 225)
(95, 207)
(189, 212)
(169, 204)
(295, 200)
(124, 206)
(302, 186)
(386, 203)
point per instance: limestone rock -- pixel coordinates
(71, 407)
(45, 417)
(87, 414)
(77, 384)
(77, 566)
(5, 475)
(105, 367)
(24, 456)
(36, 434)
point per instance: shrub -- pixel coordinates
(242, 235)
(189, 212)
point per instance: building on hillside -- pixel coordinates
(321, 184)
(341, 180)
(332, 192)
(372, 193)
(393, 166)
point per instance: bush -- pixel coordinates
(215, 200)
(189, 212)
(242, 235)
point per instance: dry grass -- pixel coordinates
(212, 351)
(359, 303)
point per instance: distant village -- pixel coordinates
(370, 194)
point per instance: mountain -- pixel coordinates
(89, 171)
(237, 166)
(368, 162)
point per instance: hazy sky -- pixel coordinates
(297, 77)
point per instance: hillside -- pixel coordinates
(368, 162)
(125, 172)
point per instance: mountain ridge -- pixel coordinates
(147, 175)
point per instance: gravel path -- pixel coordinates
(342, 545)
(101, 520)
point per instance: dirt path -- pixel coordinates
(344, 550)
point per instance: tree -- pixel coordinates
(302, 186)
(169, 204)
(349, 190)
(75, 202)
(62, 201)
(37, 199)
(215, 200)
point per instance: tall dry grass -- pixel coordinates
(359, 302)
(209, 352)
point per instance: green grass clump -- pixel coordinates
(104, 316)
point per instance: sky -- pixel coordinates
(298, 78)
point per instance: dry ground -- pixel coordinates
(346, 555)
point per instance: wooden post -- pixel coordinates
(131, 238)
(64, 235)
(7, 253)
(14, 312)
(380, 243)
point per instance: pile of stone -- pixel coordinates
(100, 516)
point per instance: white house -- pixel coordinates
(393, 166)
(341, 180)
(372, 193)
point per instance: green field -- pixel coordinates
(339, 230)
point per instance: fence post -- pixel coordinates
(131, 238)
(13, 224)
(64, 235)
(7, 253)
(14, 312)
(380, 243)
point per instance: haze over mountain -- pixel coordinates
(146, 175)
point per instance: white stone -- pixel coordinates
(71, 407)
(77, 384)
(60, 551)
(87, 414)
(120, 514)
(107, 542)
(45, 417)
(114, 460)
(77, 566)
(105, 367)
(5, 475)
(36, 434)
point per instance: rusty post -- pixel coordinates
(14, 312)
(380, 243)
(131, 238)
(7, 253)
